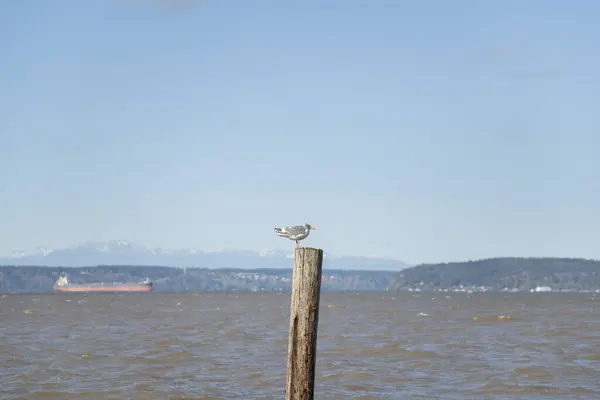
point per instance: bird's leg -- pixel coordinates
(296, 243)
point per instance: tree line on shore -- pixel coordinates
(495, 274)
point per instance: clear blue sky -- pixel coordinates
(420, 130)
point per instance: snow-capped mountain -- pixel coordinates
(120, 252)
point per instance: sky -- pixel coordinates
(420, 130)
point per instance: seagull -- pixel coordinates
(296, 232)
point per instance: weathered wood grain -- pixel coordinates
(304, 322)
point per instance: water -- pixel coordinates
(233, 346)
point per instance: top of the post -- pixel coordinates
(308, 250)
(308, 253)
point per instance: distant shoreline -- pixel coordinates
(489, 275)
(249, 292)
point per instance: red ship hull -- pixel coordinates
(108, 288)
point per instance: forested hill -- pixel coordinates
(491, 274)
(503, 274)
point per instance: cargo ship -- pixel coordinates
(63, 285)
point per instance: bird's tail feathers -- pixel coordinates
(281, 232)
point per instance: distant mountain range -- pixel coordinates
(119, 252)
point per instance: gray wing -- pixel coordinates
(295, 230)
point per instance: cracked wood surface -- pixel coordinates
(304, 321)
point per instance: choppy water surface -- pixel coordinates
(233, 346)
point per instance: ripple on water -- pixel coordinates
(223, 346)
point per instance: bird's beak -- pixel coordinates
(313, 228)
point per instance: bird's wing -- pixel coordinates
(294, 230)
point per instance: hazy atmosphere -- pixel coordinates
(422, 131)
(163, 164)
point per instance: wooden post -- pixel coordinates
(304, 322)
